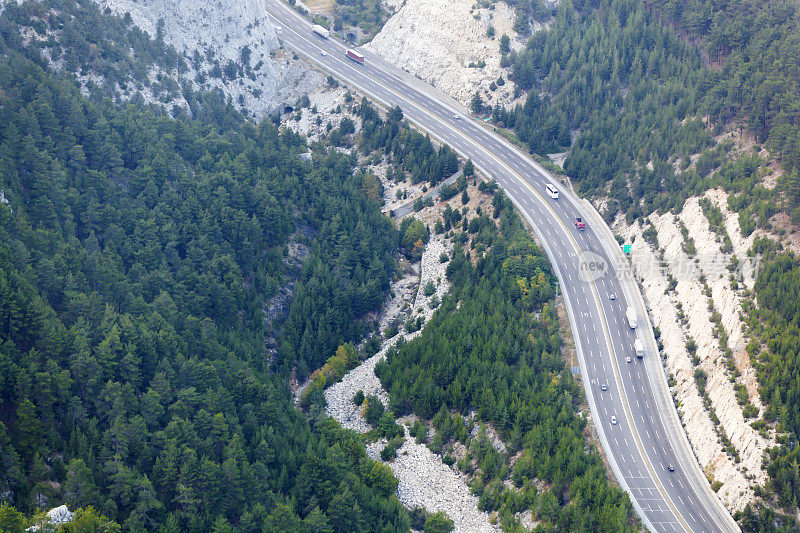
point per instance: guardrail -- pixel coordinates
(408, 208)
(667, 410)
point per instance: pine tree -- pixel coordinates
(317, 522)
(476, 104)
(28, 427)
(343, 511)
(282, 519)
(469, 168)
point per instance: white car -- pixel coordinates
(612, 296)
(323, 53)
(604, 387)
(628, 359)
(613, 420)
(457, 117)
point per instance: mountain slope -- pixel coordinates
(137, 251)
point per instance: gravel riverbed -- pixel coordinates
(424, 480)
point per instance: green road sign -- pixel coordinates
(626, 248)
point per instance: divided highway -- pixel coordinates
(647, 437)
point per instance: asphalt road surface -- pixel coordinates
(647, 436)
(407, 209)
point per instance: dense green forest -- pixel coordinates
(494, 348)
(612, 71)
(641, 86)
(635, 80)
(754, 80)
(136, 255)
(412, 154)
(775, 324)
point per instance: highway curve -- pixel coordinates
(648, 436)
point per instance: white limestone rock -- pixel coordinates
(736, 478)
(220, 31)
(438, 39)
(54, 517)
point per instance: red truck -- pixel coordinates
(355, 56)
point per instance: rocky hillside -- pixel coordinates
(452, 44)
(222, 33)
(224, 45)
(695, 299)
(695, 294)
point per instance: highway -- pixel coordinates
(590, 267)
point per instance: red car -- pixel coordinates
(579, 223)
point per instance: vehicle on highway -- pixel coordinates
(630, 314)
(323, 53)
(701, 513)
(456, 116)
(579, 223)
(355, 56)
(628, 359)
(671, 467)
(638, 347)
(552, 191)
(603, 387)
(321, 31)
(278, 29)
(613, 420)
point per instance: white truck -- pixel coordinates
(321, 31)
(630, 314)
(638, 347)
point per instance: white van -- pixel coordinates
(552, 191)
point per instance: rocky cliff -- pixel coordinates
(221, 33)
(226, 45)
(445, 43)
(684, 292)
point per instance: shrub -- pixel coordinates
(429, 289)
(419, 431)
(358, 399)
(374, 410)
(391, 330)
(447, 191)
(700, 377)
(381, 478)
(388, 428)
(691, 346)
(414, 236)
(418, 515)
(389, 452)
(438, 522)
(345, 358)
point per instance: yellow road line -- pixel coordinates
(564, 227)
